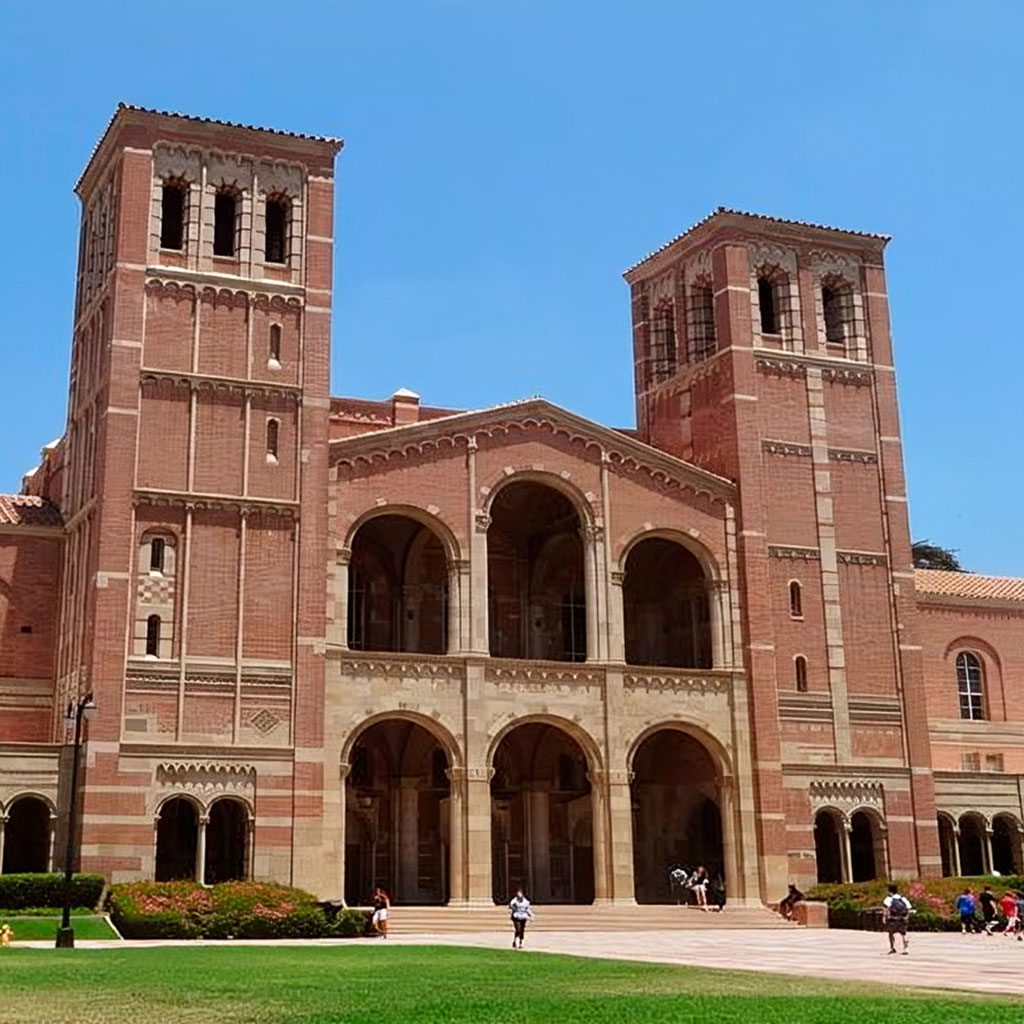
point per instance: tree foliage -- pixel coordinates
(927, 555)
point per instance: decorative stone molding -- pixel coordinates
(848, 796)
(794, 551)
(697, 268)
(847, 375)
(397, 666)
(527, 675)
(780, 367)
(246, 506)
(861, 558)
(202, 382)
(786, 448)
(206, 780)
(479, 773)
(265, 721)
(765, 254)
(853, 455)
(483, 522)
(618, 577)
(676, 682)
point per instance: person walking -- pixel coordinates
(965, 908)
(896, 911)
(987, 899)
(1008, 908)
(521, 911)
(381, 912)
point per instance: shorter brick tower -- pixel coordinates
(762, 352)
(195, 491)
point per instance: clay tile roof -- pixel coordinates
(723, 210)
(942, 583)
(28, 510)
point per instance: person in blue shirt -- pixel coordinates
(965, 908)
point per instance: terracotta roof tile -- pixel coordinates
(942, 583)
(28, 510)
(722, 210)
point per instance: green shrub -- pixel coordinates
(239, 910)
(350, 923)
(47, 890)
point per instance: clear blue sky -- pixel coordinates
(505, 161)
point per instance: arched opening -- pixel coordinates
(665, 606)
(796, 600)
(676, 817)
(972, 845)
(947, 846)
(177, 836)
(541, 817)
(153, 636)
(828, 848)
(535, 575)
(867, 847)
(227, 842)
(27, 836)
(397, 807)
(1006, 845)
(398, 588)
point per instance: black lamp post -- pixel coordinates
(85, 708)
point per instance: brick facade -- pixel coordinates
(337, 642)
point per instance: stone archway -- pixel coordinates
(541, 817)
(397, 815)
(867, 847)
(828, 845)
(227, 842)
(27, 836)
(177, 840)
(677, 816)
(1006, 845)
(947, 846)
(973, 845)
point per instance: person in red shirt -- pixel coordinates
(1008, 907)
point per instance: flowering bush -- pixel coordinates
(241, 910)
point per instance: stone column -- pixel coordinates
(719, 612)
(456, 835)
(454, 624)
(538, 839)
(956, 852)
(250, 846)
(730, 839)
(601, 837)
(620, 832)
(204, 820)
(986, 849)
(341, 571)
(50, 840)
(591, 535)
(478, 835)
(465, 606)
(408, 838)
(343, 769)
(3, 822)
(847, 853)
(616, 619)
(479, 524)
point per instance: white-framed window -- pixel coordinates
(970, 682)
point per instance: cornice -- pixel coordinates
(237, 385)
(979, 604)
(195, 500)
(451, 432)
(234, 284)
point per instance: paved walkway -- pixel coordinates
(976, 963)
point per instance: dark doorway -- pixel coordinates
(863, 847)
(227, 834)
(177, 834)
(828, 847)
(27, 836)
(972, 845)
(947, 846)
(1005, 846)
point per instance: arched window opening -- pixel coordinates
(174, 197)
(276, 211)
(702, 321)
(224, 216)
(398, 588)
(535, 575)
(156, 554)
(970, 684)
(768, 305)
(796, 600)
(397, 823)
(177, 837)
(227, 841)
(800, 667)
(273, 432)
(663, 343)
(973, 851)
(541, 817)
(153, 636)
(676, 817)
(274, 348)
(665, 606)
(867, 847)
(832, 311)
(26, 836)
(828, 847)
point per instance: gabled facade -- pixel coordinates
(341, 643)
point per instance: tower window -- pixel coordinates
(172, 215)
(702, 321)
(663, 343)
(274, 349)
(768, 306)
(276, 227)
(832, 309)
(800, 664)
(224, 205)
(796, 602)
(156, 554)
(153, 635)
(970, 684)
(273, 428)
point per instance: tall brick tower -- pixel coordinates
(762, 352)
(196, 490)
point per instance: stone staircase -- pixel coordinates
(573, 918)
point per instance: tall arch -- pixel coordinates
(973, 845)
(27, 835)
(868, 854)
(1006, 845)
(829, 846)
(948, 845)
(227, 855)
(177, 839)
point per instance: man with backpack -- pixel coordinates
(896, 913)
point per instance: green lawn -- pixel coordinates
(26, 928)
(433, 985)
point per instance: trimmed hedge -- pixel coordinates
(47, 890)
(230, 910)
(858, 904)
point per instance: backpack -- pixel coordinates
(899, 906)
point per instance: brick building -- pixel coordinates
(338, 642)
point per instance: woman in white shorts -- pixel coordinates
(381, 906)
